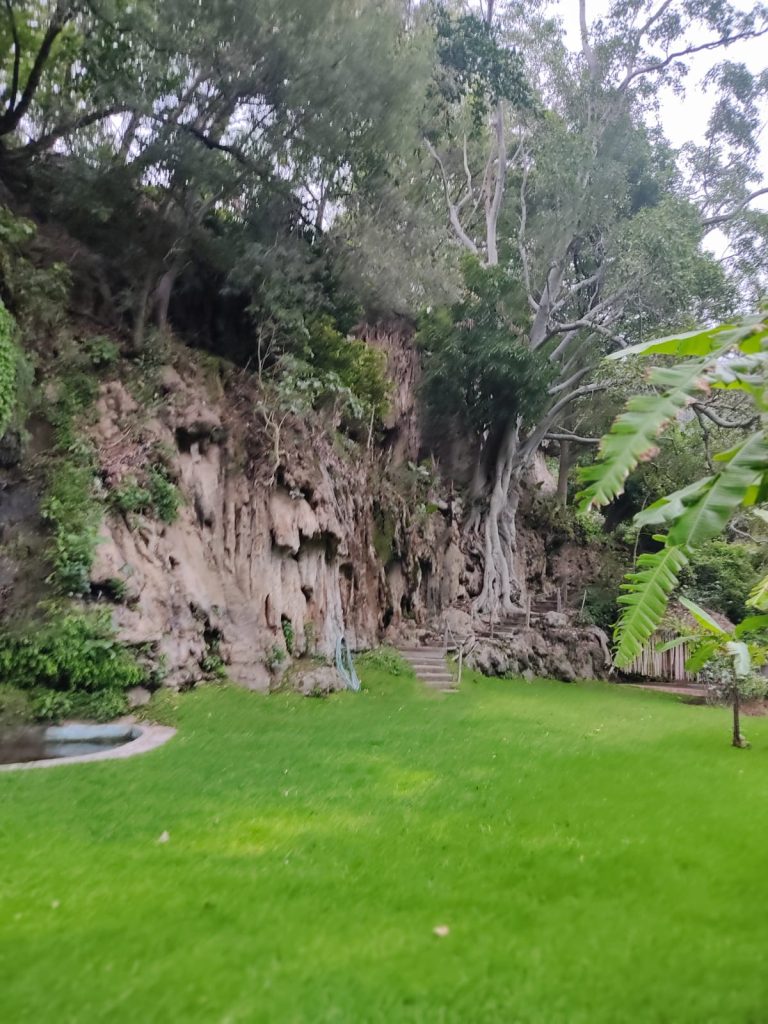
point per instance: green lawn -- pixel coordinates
(599, 855)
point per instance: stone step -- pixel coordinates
(429, 664)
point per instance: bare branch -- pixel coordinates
(573, 379)
(466, 166)
(67, 128)
(643, 30)
(14, 87)
(550, 292)
(550, 418)
(720, 422)
(589, 325)
(577, 287)
(521, 238)
(453, 212)
(713, 44)
(493, 206)
(723, 218)
(586, 48)
(566, 436)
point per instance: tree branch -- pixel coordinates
(577, 287)
(566, 436)
(574, 379)
(453, 213)
(586, 48)
(713, 44)
(66, 128)
(13, 115)
(494, 206)
(14, 87)
(643, 30)
(723, 218)
(521, 238)
(550, 417)
(720, 422)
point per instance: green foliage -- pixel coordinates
(72, 504)
(72, 663)
(8, 361)
(700, 511)
(477, 365)
(633, 436)
(99, 706)
(600, 608)
(157, 497)
(74, 512)
(288, 634)
(102, 351)
(310, 637)
(129, 498)
(385, 660)
(164, 494)
(325, 370)
(50, 705)
(477, 62)
(561, 524)
(645, 598)
(15, 706)
(384, 526)
(275, 657)
(37, 294)
(720, 575)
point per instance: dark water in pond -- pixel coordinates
(37, 748)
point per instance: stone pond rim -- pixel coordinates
(87, 742)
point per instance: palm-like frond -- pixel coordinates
(645, 599)
(759, 596)
(706, 517)
(671, 506)
(633, 434)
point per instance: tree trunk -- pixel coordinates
(564, 468)
(501, 590)
(162, 296)
(738, 740)
(140, 308)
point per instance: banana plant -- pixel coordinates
(741, 646)
(732, 357)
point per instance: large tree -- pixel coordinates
(569, 192)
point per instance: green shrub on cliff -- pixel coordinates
(71, 664)
(8, 362)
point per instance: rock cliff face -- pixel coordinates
(274, 546)
(286, 537)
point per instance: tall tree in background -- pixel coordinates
(567, 190)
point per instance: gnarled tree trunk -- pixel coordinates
(502, 589)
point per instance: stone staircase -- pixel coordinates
(508, 627)
(430, 666)
(428, 660)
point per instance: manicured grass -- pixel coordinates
(599, 855)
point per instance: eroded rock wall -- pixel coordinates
(270, 540)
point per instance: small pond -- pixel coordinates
(44, 744)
